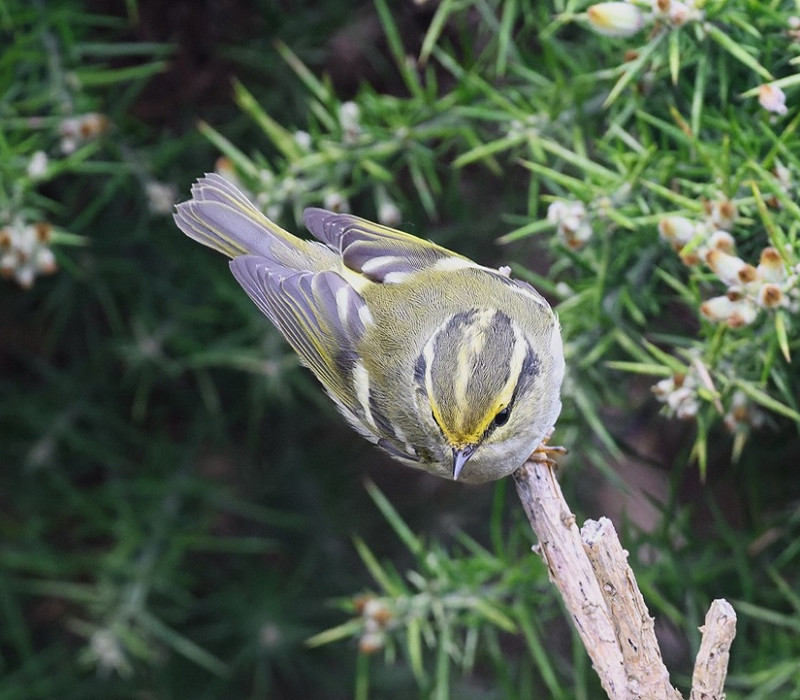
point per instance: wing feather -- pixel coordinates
(380, 253)
(321, 316)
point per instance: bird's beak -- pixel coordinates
(460, 458)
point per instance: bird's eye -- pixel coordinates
(502, 416)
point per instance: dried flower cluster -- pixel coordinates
(770, 285)
(679, 393)
(572, 224)
(682, 394)
(25, 251)
(772, 98)
(742, 414)
(623, 19)
(75, 131)
(376, 617)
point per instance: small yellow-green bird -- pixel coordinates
(449, 366)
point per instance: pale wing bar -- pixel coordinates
(380, 253)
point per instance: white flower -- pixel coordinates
(567, 212)
(302, 139)
(721, 213)
(721, 240)
(571, 223)
(161, 197)
(736, 312)
(24, 252)
(336, 201)
(678, 230)
(770, 266)
(783, 175)
(76, 130)
(349, 120)
(618, 19)
(679, 393)
(105, 648)
(37, 166)
(730, 269)
(772, 98)
(389, 213)
(770, 295)
(742, 413)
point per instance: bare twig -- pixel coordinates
(562, 549)
(591, 571)
(711, 664)
(647, 675)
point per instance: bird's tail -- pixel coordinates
(221, 217)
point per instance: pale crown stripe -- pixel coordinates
(471, 348)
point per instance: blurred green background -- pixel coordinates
(181, 509)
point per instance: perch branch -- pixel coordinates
(570, 570)
(590, 569)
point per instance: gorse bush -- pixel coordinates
(175, 514)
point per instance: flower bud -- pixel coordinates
(722, 240)
(663, 388)
(744, 314)
(370, 642)
(350, 121)
(770, 295)
(571, 223)
(772, 98)
(43, 231)
(389, 213)
(678, 230)
(45, 261)
(770, 266)
(25, 274)
(378, 611)
(37, 166)
(570, 213)
(731, 269)
(302, 139)
(336, 201)
(689, 258)
(717, 308)
(680, 13)
(576, 238)
(736, 311)
(783, 175)
(618, 19)
(722, 213)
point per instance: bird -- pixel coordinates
(447, 365)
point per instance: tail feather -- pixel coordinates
(221, 217)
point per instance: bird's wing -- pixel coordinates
(319, 313)
(385, 255)
(380, 253)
